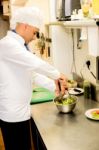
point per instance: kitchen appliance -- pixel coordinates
(64, 9)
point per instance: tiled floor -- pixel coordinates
(1, 142)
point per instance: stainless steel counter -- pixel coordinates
(67, 131)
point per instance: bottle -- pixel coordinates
(87, 89)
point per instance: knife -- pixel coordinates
(77, 90)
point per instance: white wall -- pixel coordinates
(61, 44)
(43, 5)
(62, 49)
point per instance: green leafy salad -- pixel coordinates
(66, 101)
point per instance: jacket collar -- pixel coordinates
(16, 36)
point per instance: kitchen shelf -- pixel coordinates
(74, 23)
(92, 31)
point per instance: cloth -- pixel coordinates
(26, 46)
(16, 136)
(28, 15)
(16, 68)
(43, 81)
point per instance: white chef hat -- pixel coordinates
(29, 15)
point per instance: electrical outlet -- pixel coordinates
(91, 59)
(93, 62)
(88, 63)
(88, 57)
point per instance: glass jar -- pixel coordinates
(87, 89)
(85, 5)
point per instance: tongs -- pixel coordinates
(61, 97)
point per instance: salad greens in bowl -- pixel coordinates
(66, 103)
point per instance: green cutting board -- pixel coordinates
(41, 95)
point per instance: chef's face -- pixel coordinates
(31, 33)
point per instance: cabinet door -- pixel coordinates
(37, 139)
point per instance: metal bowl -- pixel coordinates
(66, 108)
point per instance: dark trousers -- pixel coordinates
(17, 135)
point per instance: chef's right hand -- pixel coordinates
(61, 85)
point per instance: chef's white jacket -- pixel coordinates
(16, 68)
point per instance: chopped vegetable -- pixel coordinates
(66, 101)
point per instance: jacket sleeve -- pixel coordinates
(29, 61)
(44, 81)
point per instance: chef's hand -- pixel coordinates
(61, 85)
